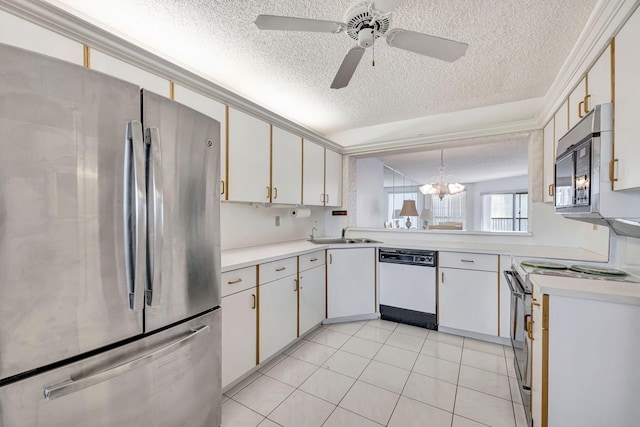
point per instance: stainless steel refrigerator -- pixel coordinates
(109, 251)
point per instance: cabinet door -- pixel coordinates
(576, 103)
(313, 174)
(333, 178)
(278, 315)
(248, 156)
(468, 300)
(238, 335)
(215, 110)
(627, 93)
(351, 288)
(312, 302)
(561, 120)
(599, 81)
(549, 161)
(286, 167)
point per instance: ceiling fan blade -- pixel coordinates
(286, 23)
(347, 68)
(424, 44)
(385, 5)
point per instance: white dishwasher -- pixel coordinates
(408, 286)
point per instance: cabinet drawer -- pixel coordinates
(311, 260)
(238, 280)
(274, 270)
(468, 261)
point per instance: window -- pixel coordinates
(506, 212)
(449, 209)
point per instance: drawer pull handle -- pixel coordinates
(551, 189)
(233, 282)
(253, 303)
(467, 260)
(281, 268)
(313, 259)
(268, 192)
(222, 187)
(295, 288)
(442, 277)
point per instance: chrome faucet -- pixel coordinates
(344, 231)
(312, 230)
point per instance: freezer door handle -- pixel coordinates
(156, 215)
(74, 385)
(135, 215)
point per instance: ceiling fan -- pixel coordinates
(364, 22)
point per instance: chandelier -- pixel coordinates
(443, 185)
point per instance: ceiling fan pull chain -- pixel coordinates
(373, 53)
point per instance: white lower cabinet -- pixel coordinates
(278, 315)
(585, 362)
(468, 297)
(351, 282)
(312, 296)
(238, 334)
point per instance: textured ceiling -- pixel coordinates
(516, 48)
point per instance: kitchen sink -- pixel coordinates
(334, 240)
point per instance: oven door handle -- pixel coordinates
(512, 282)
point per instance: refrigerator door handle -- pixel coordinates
(135, 215)
(71, 386)
(156, 216)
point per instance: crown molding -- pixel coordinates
(61, 22)
(512, 127)
(604, 23)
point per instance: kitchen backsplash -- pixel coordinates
(245, 225)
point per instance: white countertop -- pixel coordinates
(602, 290)
(238, 258)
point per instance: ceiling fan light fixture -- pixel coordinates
(443, 185)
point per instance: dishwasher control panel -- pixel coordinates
(425, 258)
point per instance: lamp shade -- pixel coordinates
(409, 208)
(425, 214)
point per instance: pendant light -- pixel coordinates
(442, 184)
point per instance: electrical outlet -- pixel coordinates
(277, 221)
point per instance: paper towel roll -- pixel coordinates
(301, 213)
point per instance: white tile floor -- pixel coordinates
(380, 373)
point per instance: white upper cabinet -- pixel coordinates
(216, 111)
(333, 178)
(17, 32)
(286, 167)
(599, 81)
(549, 160)
(561, 120)
(322, 176)
(577, 99)
(313, 175)
(626, 149)
(248, 158)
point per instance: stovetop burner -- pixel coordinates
(598, 271)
